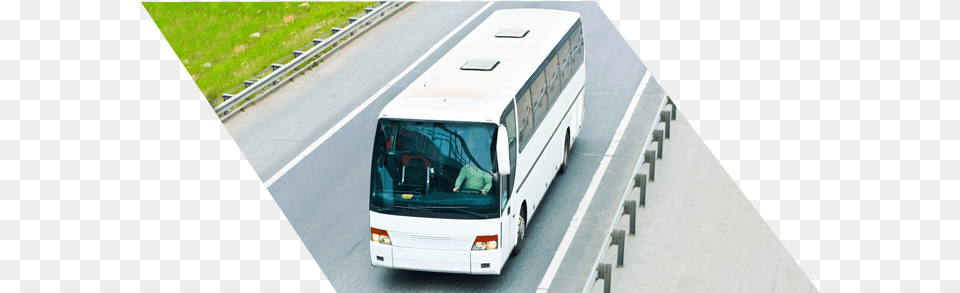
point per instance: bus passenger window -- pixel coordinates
(577, 39)
(539, 99)
(566, 70)
(525, 118)
(551, 72)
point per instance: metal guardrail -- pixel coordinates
(306, 57)
(638, 180)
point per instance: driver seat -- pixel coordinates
(416, 172)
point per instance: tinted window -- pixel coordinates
(509, 121)
(577, 38)
(545, 87)
(416, 166)
(539, 99)
(511, 124)
(525, 118)
(552, 73)
(565, 67)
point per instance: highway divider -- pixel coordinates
(306, 57)
(603, 271)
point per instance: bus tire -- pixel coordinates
(521, 233)
(566, 153)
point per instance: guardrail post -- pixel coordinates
(259, 88)
(226, 97)
(603, 272)
(665, 118)
(640, 180)
(248, 83)
(651, 158)
(658, 136)
(673, 108)
(630, 207)
(618, 239)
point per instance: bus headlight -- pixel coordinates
(479, 246)
(379, 236)
(485, 243)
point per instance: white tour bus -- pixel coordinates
(463, 156)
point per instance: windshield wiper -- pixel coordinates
(435, 209)
(384, 209)
(458, 209)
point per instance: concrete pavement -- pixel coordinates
(698, 232)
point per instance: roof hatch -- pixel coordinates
(480, 64)
(513, 33)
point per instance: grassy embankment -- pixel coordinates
(213, 39)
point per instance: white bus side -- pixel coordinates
(542, 152)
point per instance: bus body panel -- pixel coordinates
(431, 260)
(451, 231)
(437, 245)
(533, 182)
(580, 109)
(381, 255)
(486, 262)
(499, 86)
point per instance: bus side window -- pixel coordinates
(552, 74)
(525, 118)
(565, 66)
(510, 122)
(507, 182)
(577, 38)
(539, 99)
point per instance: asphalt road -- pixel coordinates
(278, 128)
(324, 196)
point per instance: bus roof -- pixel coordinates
(446, 92)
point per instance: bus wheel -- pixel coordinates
(566, 154)
(521, 230)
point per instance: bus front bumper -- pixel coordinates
(477, 262)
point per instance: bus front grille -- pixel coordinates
(431, 241)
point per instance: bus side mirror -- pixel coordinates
(503, 151)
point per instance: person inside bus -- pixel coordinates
(473, 178)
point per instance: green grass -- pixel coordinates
(209, 32)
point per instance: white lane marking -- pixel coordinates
(592, 189)
(313, 146)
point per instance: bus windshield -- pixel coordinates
(434, 169)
